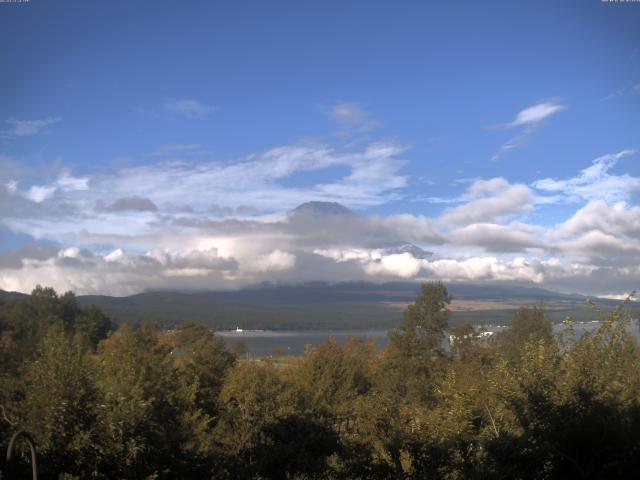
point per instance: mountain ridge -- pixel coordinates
(321, 305)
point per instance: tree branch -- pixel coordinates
(4, 416)
(493, 423)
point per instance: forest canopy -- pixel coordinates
(438, 402)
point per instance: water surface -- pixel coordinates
(265, 343)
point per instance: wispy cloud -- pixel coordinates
(187, 108)
(592, 183)
(258, 183)
(536, 113)
(351, 113)
(621, 92)
(256, 180)
(39, 193)
(352, 118)
(27, 128)
(529, 120)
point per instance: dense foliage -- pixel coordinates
(150, 403)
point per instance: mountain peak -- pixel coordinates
(321, 208)
(414, 250)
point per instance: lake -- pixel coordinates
(264, 343)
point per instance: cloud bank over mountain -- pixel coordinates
(180, 223)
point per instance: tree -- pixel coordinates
(92, 324)
(329, 377)
(60, 406)
(425, 323)
(149, 422)
(527, 325)
(204, 362)
(29, 319)
(68, 310)
(251, 399)
(416, 348)
(294, 447)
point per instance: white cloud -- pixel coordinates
(125, 272)
(242, 260)
(489, 200)
(536, 113)
(68, 183)
(620, 296)
(402, 265)
(521, 269)
(602, 232)
(618, 219)
(27, 128)
(11, 186)
(188, 108)
(375, 262)
(513, 237)
(114, 256)
(39, 193)
(275, 261)
(119, 272)
(528, 119)
(361, 255)
(594, 182)
(595, 244)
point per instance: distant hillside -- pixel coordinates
(318, 305)
(8, 296)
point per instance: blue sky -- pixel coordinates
(156, 144)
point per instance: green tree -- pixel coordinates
(251, 399)
(527, 325)
(330, 377)
(295, 447)
(148, 419)
(425, 322)
(203, 362)
(60, 406)
(92, 324)
(29, 319)
(416, 348)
